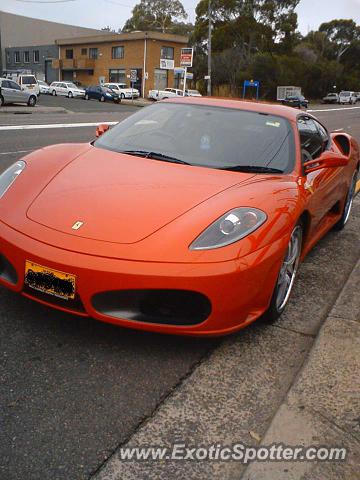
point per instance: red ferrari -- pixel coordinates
(190, 217)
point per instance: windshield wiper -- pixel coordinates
(155, 156)
(252, 169)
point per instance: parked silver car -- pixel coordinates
(10, 92)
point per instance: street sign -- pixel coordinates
(166, 64)
(178, 70)
(133, 76)
(207, 77)
(186, 57)
(189, 76)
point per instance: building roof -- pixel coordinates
(123, 37)
(21, 31)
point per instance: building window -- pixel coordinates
(167, 52)
(93, 53)
(69, 54)
(84, 51)
(17, 57)
(26, 56)
(36, 56)
(117, 52)
(117, 76)
(8, 58)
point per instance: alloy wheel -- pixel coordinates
(289, 269)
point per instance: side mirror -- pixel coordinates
(101, 129)
(327, 159)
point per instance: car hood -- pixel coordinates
(121, 198)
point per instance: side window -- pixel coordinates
(324, 134)
(14, 85)
(310, 139)
(6, 84)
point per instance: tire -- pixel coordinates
(102, 98)
(86, 97)
(287, 275)
(348, 204)
(70, 95)
(2, 101)
(53, 93)
(122, 96)
(32, 101)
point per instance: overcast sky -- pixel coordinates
(99, 13)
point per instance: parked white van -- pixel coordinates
(347, 97)
(28, 83)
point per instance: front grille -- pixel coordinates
(167, 307)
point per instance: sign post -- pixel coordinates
(186, 60)
(133, 78)
(251, 83)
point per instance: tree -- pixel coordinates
(155, 15)
(341, 33)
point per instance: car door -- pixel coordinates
(62, 89)
(19, 96)
(6, 91)
(322, 185)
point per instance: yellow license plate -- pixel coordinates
(50, 281)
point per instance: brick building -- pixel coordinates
(102, 58)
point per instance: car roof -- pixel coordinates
(252, 106)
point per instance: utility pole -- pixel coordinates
(209, 51)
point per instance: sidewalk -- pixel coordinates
(323, 406)
(294, 382)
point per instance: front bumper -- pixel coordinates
(239, 291)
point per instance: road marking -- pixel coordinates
(334, 109)
(338, 130)
(54, 125)
(18, 151)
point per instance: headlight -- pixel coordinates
(8, 177)
(229, 228)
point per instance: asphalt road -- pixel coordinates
(72, 389)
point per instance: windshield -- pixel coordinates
(206, 136)
(345, 94)
(28, 80)
(71, 85)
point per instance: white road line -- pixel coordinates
(338, 130)
(53, 125)
(18, 151)
(334, 109)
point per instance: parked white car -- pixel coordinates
(44, 87)
(66, 89)
(123, 90)
(193, 93)
(10, 92)
(347, 97)
(167, 93)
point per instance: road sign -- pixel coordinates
(186, 57)
(133, 76)
(178, 70)
(189, 76)
(166, 64)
